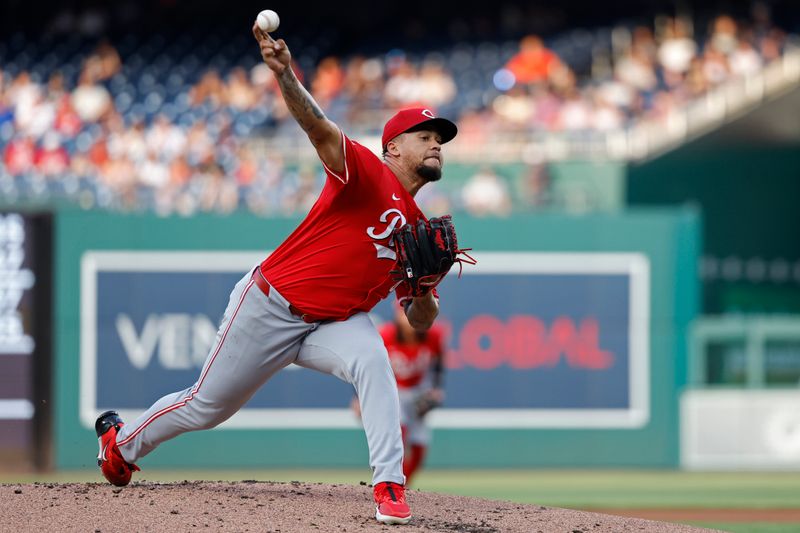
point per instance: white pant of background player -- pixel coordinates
(258, 337)
(417, 431)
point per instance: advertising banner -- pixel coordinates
(534, 340)
(25, 333)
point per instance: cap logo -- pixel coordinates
(428, 113)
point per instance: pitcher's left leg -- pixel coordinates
(353, 351)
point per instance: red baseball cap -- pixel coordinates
(407, 119)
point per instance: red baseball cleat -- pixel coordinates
(113, 466)
(391, 506)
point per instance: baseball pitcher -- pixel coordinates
(307, 303)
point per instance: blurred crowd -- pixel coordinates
(647, 73)
(56, 136)
(197, 146)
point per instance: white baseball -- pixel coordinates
(268, 20)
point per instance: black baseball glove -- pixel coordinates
(425, 253)
(426, 403)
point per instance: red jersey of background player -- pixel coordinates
(350, 227)
(411, 361)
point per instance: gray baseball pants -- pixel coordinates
(258, 337)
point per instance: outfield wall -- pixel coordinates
(566, 342)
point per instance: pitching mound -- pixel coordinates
(280, 507)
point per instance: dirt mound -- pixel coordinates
(279, 507)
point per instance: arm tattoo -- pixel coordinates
(301, 104)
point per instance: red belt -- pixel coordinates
(261, 282)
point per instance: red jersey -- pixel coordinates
(337, 262)
(412, 361)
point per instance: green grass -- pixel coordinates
(622, 489)
(748, 527)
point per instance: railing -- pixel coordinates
(721, 104)
(753, 333)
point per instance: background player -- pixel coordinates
(417, 359)
(307, 303)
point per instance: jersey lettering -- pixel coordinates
(406, 367)
(398, 220)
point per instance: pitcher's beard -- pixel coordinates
(429, 173)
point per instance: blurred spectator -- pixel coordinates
(662, 107)
(67, 122)
(534, 62)
(119, 174)
(535, 186)
(6, 108)
(239, 94)
(677, 49)
(636, 70)
(437, 87)
(217, 193)
(209, 89)
(723, 34)
(576, 112)
(744, 60)
(605, 116)
(328, 81)
(201, 146)
(103, 63)
(90, 100)
(403, 88)
(165, 139)
(697, 82)
(562, 79)
(38, 116)
(485, 193)
(714, 67)
(18, 155)
(618, 94)
(33, 115)
(363, 80)
(771, 44)
(247, 166)
(153, 172)
(180, 172)
(475, 128)
(6, 111)
(515, 108)
(548, 106)
(96, 155)
(129, 142)
(51, 159)
(262, 80)
(643, 43)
